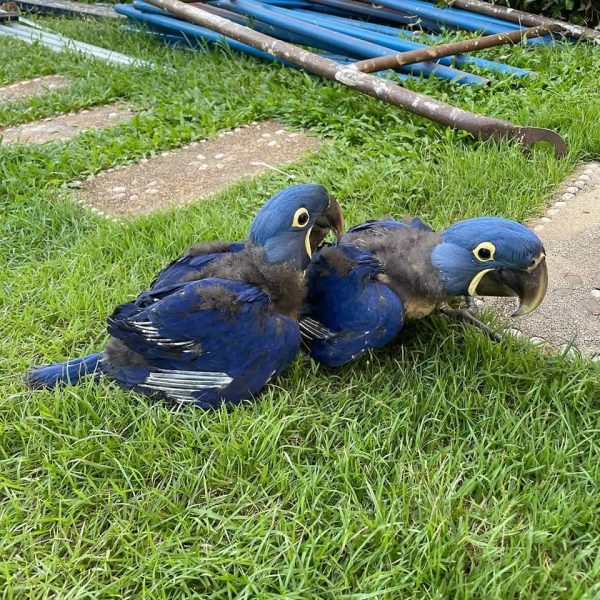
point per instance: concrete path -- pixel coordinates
(31, 87)
(570, 313)
(65, 127)
(195, 171)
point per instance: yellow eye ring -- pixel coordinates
(484, 252)
(301, 218)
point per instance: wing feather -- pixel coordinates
(205, 341)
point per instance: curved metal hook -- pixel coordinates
(527, 136)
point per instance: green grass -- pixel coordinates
(442, 467)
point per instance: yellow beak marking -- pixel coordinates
(307, 243)
(536, 262)
(475, 282)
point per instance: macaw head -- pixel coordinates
(490, 256)
(293, 223)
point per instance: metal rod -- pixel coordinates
(8, 15)
(481, 127)
(489, 41)
(525, 18)
(66, 8)
(73, 44)
(34, 36)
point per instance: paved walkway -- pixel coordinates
(570, 230)
(65, 127)
(31, 87)
(195, 171)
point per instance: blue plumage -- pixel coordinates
(273, 229)
(190, 266)
(511, 246)
(218, 323)
(346, 329)
(210, 339)
(386, 271)
(69, 371)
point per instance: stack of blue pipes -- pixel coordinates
(343, 30)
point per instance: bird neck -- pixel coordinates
(285, 249)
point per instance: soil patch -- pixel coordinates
(195, 171)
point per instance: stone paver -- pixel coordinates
(570, 230)
(65, 127)
(31, 87)
(195, 171)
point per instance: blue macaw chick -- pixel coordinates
(218, 323)
(384, 272)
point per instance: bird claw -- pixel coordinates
(465, 315)
(470, 304)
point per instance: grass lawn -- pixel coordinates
(442, 467)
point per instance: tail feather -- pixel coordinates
(68, 372)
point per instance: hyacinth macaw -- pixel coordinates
(384, 272)
(218, 323)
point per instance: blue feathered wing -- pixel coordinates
(189, 266)
(206, 341)
(349, 309)
(384, 224)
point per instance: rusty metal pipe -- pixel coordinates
(400, 59)
(524, 18)
(481, 127)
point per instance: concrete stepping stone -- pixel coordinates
(569, 317)
(65, 127)
(31, 87)
(194, 172)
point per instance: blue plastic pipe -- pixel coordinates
(356, 9)
(386, 14)
(255, 24)
(346, 45)
(286, 3)
(456, 18)
(294, 4)
(387, 29)
(401, 44)
(171, 31)
(451, 17)
(170, 24)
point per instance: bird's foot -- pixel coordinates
(470, 304)
(465, 315)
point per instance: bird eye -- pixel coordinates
(300, 218)
(485, 251)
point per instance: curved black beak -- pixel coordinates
(529, 285)
(331, 218)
